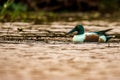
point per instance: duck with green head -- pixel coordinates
(81, 36)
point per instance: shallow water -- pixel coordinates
(59, 58)
(37, 61)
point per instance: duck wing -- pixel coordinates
(102, 32)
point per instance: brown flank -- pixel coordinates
(91, 38)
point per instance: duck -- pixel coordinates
(96, 36)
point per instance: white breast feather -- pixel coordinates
(79, 38)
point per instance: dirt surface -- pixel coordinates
(59, 59)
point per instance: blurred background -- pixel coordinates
(54, 10)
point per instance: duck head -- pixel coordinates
(78, 28)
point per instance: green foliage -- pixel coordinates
(12, 11)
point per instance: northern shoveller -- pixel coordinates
(97, 36)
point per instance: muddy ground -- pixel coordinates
(56, 58)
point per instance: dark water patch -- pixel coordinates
(117, 36)
(9, 48)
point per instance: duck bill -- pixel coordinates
(71, 31)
